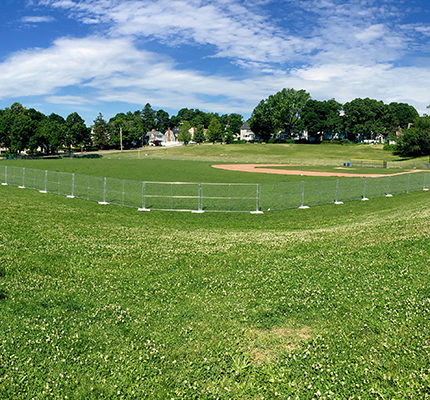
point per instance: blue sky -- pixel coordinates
(225, 56)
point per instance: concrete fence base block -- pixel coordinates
(21, 187)
(70, 196)
(426, 189)
(388, 195)
(43, 191)
(103, 203)
(4, 184)
(256, 212)
(364, 199)
(197, 211)
(338, 202)
(304, 207)
(143, 209)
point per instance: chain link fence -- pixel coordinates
(201, 197)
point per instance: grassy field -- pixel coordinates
(105, 302)
(305, 154)
(330, 302)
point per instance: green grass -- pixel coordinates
(305, 153)
(104, 302)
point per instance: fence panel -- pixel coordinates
(33, 179)
(171, 196)
(89, 187)
(376, 187)
(417, 181)
(319, 192)
(350, 189)
(124, 192)
(280, 196)
(229, 197)
(399, 184)
(15, 176)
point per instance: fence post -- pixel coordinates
(104, 193)
(425, 188)
(364, 198)
(302, 203)
(257, 200)
(337, 193)
(23, 179)
(122, 194)
(143, 208)
(5, 176)
(409, 183)
(46, 183)
(200, 207)
(388, 194)
(72, 195)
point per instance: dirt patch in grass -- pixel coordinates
(274, 169)
(264, 345)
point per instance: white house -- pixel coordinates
(168, 138)
(246, 133)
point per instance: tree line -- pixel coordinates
(287, 114)
(23, 129)
(294, 111)
(291, 112)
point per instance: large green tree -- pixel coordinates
(199, 136)
(415, 141)
(214, 132)
(77, 133)
(100, 132)
(320, 117)
(147, 116)
(132, 130)
(162, 120)
(402, 115)
(366, 118)
(17, 127)
(51, 133)
(281, 111)
(184, 133)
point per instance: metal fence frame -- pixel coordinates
(214, 197)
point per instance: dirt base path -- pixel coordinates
(261, 169)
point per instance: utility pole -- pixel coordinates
(120, 137)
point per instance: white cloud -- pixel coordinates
(106, 70)
(33, 19)
(69, 100)
(243, 32)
